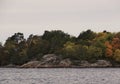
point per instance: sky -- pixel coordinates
(71, 16)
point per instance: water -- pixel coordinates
(60, 76)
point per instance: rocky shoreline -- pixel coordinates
(53, 61)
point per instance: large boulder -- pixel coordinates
(49, 60)
(101, 63)
(84, 63)
(31, 64)
(65, 63)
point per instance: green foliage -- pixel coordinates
(70, 50)
(94, 53)
(56, 38)
(79, 52)
(4, 58)
(87, 35)
(88, 46)
(37, 47)
(14, 47)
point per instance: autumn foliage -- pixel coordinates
(89, 45)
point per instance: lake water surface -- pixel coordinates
(60, 76)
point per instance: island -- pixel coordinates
(56, 49)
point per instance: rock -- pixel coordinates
(84, 64)
(101, 63)
(50, 59)
(11, 66)
(31, 64)
(65, 63)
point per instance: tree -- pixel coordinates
(93, 53)
(102, 41)
(14, 49)
(87, 35)
(69, 50)
(17, 37)
(74, 51)
(88, 46)
(4, 57)
(56, 39)
(37, 47)
(109, 49)
(117, 55)
(116, 43)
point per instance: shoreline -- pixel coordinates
(18, 67)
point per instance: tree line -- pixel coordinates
(89, 45)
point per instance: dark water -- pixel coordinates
(60, 76)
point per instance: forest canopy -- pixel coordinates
(89, 46)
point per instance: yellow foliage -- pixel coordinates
(117, 55)
(69, 46)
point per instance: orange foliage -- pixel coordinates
(116, 43)
(108, 45)
(109, 51)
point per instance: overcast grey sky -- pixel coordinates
(71, 16)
